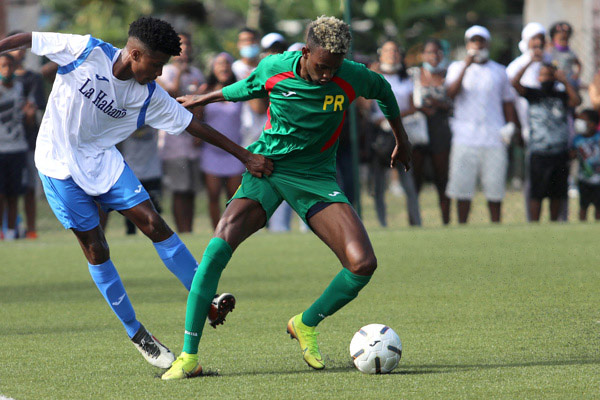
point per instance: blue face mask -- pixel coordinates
(251, 51)
(434, 70)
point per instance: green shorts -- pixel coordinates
(301, 192)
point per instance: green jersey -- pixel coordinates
(305, 119)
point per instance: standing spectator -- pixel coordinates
(430, 97)
(14, 114)
(586, 147)
(533, 38)
(280, 221)
(254, 112)
(140, 152)
(391, 66)
(562, 56)
(33, 90)
(181, 171)
(483, 104)
(221, 168)
(549, 136)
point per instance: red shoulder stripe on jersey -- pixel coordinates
(335, 135)
(275, 79)
(346, 87)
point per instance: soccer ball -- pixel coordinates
(376, 349)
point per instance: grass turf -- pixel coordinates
(482, 311)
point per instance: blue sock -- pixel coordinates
(109, 283)
(178, 259)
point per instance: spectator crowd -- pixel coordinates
(462, 118)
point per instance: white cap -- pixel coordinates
(477, 30)
(531, 29)
(270, 39)
(296, 46)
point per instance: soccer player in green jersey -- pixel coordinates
(309, 93)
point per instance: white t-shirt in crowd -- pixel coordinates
(478, 107)
(403, 91)
(89, 111)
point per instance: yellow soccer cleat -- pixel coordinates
(186, 366)
(307, 337)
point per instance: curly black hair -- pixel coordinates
(157, 34)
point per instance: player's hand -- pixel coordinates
(259, 165)
(192, 100)
(401, 153)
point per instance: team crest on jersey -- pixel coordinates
(101, 101)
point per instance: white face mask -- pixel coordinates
(580, 126)
(390, 68)
(480, 56)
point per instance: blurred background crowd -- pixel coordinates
(494, 95)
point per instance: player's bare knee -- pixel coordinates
(97, 251)
(365, 266)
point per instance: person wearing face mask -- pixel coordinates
(254, 111)
(549, 136)
(430, 97)
(483, 111)
(391, 66)
(562, 55)
(586, 148)
(15, 113)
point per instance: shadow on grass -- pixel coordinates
(406, 369)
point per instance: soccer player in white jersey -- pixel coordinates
(101, 95)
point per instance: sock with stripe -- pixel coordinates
(109, 283)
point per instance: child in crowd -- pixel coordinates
(563, 57)
(586, 147)
(549, 136)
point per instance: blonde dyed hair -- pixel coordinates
(330, 33)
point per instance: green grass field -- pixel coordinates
(509, 311)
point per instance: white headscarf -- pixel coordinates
(531, 29)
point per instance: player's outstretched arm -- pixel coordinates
(256, 164)
(195, 100)
(402, 151)
(15, 42)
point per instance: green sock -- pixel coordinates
(204, 286)
(342, 290)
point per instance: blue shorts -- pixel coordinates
(77, 210)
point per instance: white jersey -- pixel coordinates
(89, 111)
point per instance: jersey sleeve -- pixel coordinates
(250, 88)
(165, 113)
(58, 47)
(372, 85)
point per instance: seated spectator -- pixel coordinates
(549, 136)
(586, 148)
(220, 168)
(483, 109)
(15, 112)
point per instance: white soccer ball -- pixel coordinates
(376, 349)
